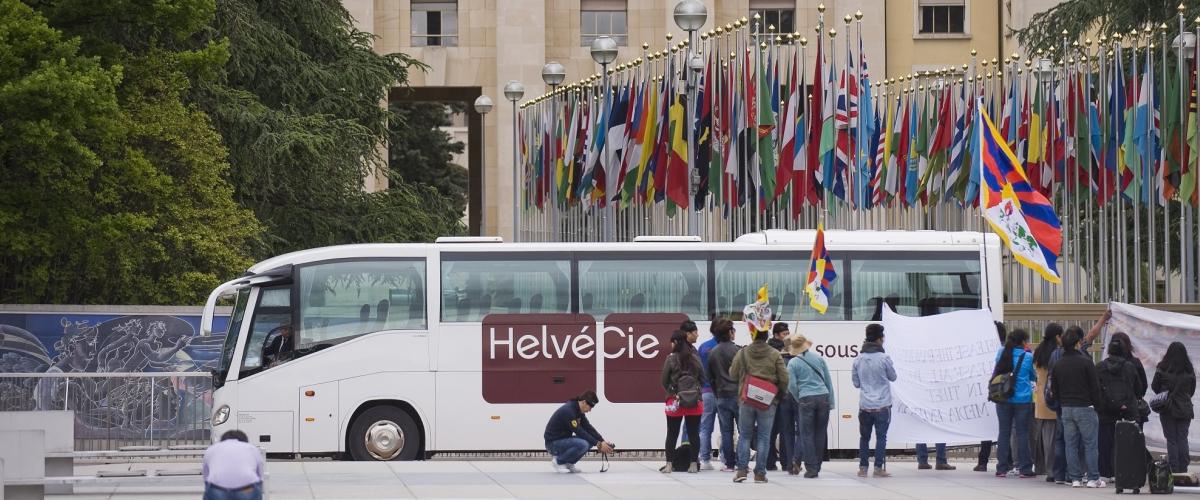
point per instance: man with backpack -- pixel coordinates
(761, 366)
(1119, 387)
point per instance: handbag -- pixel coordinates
(757, 392)
(1049, 396)
(1160, 401)
(1003, 385)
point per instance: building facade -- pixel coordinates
(474, 47)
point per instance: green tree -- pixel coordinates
(1080, 17)
(420, 152)
(299, 106)
(113, 189)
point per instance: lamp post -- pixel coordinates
(483, 104)
(1185, 45)
(514, 91)
(690, 16)
(553, 74)
(604, 52)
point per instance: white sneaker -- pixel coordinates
(1076, 484)
(1096, 483)
(706, 465)
(559, 468)
(571, 468)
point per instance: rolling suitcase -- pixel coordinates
(1130, 457)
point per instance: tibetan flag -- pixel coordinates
(820, 273)
(1023, 218)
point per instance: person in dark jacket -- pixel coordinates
(985, 447)
(1143, 382)
(1176, 377)
(682, 378)
(783, 432)
(724, 387)
(569, 435)
(1077, 390)
(1119, 386)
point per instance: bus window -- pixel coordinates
(475, 285)
(268, 342)
(930, 284)
(344, 299)
(739, 277)
(644, 283)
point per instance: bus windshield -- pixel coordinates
(231, 336)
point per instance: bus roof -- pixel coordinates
(833, 238)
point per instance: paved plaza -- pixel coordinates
(292, 480)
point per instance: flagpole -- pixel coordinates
(1193, 266)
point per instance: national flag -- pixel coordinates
(811, 179)
(821, 273)
(1021, 216)
(766, 133)
(677, 162)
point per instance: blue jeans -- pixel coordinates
(813, 413)
(1059, 470)
(252, 492)
(755, 423)
(727, 414)
(783, 433)
(568, 450)
(923, 453)
(1175, 431)
(1081, 424)
(879, 421)
(1019, 415)
(707, 421)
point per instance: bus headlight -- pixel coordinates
(221, 415)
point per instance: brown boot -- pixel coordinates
(796, 469)
(881, 473)
(760, 478)
(740, 476)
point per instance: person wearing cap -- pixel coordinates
(569, 435)
(812, 388)
(872, 374)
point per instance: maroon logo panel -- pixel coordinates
(538, 358)
(635, 347)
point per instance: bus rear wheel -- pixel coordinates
(384, 433)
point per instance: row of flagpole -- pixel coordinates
(1094, 132)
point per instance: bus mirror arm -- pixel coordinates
(210, 305)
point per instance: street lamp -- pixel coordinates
(483, 104)
(604, 52)
(514, 91)
(553, 74)
(690, 15)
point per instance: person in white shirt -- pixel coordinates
(233, 469)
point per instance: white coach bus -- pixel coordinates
(398, 351)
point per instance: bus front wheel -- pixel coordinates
(384, 433)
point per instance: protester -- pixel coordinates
(233, 469)
(1045, 419)
(873, 374)
(682, 377)
(985, 447)
(779, 333)
(1119, 387)
(725, 388)
(811, 386)
(1176, 377)
(1017, 408)
(762, 361)
(569, 435)
(943, 462)
(783, 430)
(1077, 390)
(1143, 382)
(709, 417)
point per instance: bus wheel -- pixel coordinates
(384, 433)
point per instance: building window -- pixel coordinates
(780, 14)
(434, 23)
(603, 17)
(943, 18)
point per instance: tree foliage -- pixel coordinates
(300, 108)
(1081, 17)
(420, 152)
(113, 189)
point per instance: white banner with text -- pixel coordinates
(943, 363)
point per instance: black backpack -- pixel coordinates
(1116, 390)
(687, 387)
